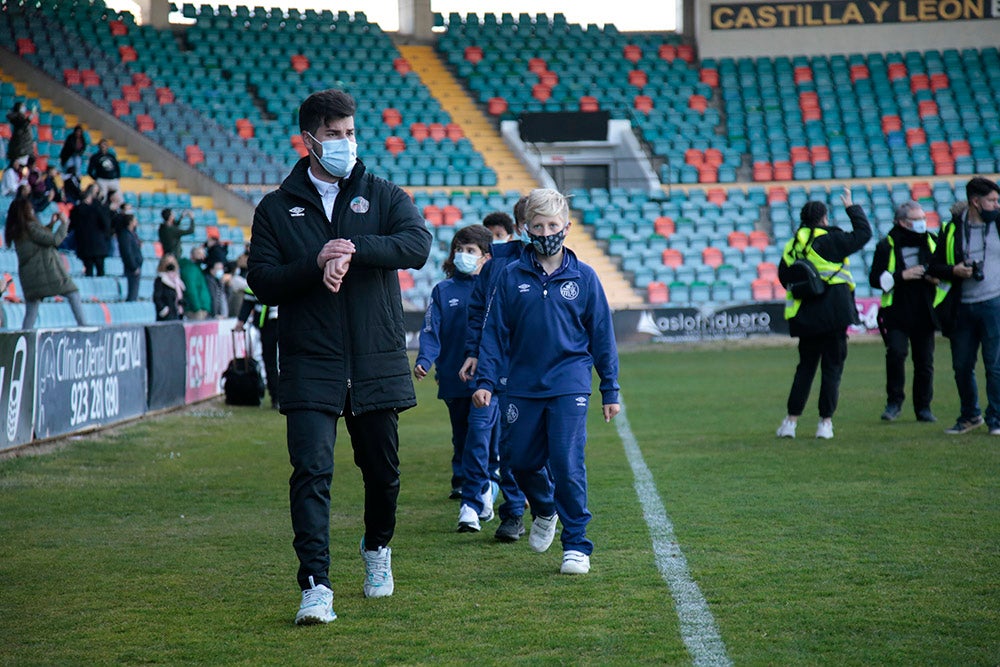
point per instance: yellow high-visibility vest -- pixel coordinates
(942, 287)
(832, 273)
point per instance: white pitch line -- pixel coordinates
(697, 625)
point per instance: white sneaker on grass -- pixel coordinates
(575, 562)
(543, 531)
(468, 520)
(378, 571)
(787, 428)
(824, 429)
(487, 514)
(317, 605)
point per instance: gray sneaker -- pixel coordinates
(964, 425)
(511, 529)
(543, 531)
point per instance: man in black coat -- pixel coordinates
(906, 316)
(327, 246)
(104, 169)
(90, 222)
(130, 248)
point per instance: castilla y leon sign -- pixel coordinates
(817, 14)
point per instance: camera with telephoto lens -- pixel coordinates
(977, 269)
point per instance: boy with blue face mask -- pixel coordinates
(442, 337)
(906, 315)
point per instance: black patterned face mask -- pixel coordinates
(548, 245)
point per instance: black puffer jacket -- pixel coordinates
(835, 309)
(354, 339)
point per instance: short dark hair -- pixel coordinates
(477, 234)
(980, 187)
(165, 214)
(499, 219)
(519, 210)
(812, 213)
(323, 107)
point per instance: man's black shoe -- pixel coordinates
(511, 529)
(926, 415)
(891, 412)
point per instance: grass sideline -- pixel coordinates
(167, 540)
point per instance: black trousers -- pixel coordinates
(897, 346)
(269, 353)
(311, 436)
(829, 352)
(92, 265)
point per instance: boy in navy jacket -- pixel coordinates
(549, 318)
(442, 340)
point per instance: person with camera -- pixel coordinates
(820, 320)
(968, 259)
(906, 315)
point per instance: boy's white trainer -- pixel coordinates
(575, 562)
(378, 571)
(317, 605)
(824, 429)
(787, 428)
(468, 520)
(488, 496)
(543, 531)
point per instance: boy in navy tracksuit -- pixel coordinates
(503, 253)
(550, 319)
(442, 339)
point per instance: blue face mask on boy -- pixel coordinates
(339, 156)
(466, 262)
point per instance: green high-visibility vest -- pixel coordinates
(832, 273)
(942, 287)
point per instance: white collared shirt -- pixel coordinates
(327, 192)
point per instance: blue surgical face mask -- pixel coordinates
(525, 237)
(339, 156)
(500, 241)
(466, 262)
(919, 226)
(218, 274)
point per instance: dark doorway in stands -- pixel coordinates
(568, 177)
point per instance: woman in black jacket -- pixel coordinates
(821, 322)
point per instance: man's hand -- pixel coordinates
(914, 272)
(334, 272)
(481, 398)
(468, 369)
(962, 270)
(846, 197)
(334, 249)
(419, 372)
(611, 410)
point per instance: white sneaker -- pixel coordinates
(543, 531)
(378, 571)
(787, 428)
(488, 496)
(317, 605)
(468, 520)
(824, 429)
(575, 562)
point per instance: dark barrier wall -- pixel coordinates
(17, 388)
(89, 378)
(166, 348)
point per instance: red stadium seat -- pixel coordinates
(395, 145)
(657, 292)
(738, 239)
(496, 106)
(673, 257)
(474, 54)
(402, 65)
(767, 270)
(589, 103)
(392, 117)
(664, 226)
(711, 257)
(759, 239)
(537, 65)
(643, 103)
(637, 78)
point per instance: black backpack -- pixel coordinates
(803, 280)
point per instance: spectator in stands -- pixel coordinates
(237, 270)
(53, 185)
(197, 298)
(22, 138)
(821, 322)
(341, 340)
(968, 258)
(14, 176)
(90, 222)
(103, 168)
(500, 225)
(72, 188)
(73, 150)
(168, 290)
(442, 343)
(906, 316)
(215, 251)
(549, 327)
(170, 231)
(130, 249)
(265, 318)
(511, 511)
(218, 289)
(40, 266)
(41, 194)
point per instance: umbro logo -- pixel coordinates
(523, 288)
(453, 303)
(297, 211)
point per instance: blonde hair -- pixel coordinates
(546, 202)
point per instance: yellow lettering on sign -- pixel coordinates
(927, 10)
(810, 19)
(723, 18)
(766, 18)
(745, 18)
(879, 9)
(974, 9)
(786, 14)
(828, 17)
(903, 16)
(852, 14)
(950, 9)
